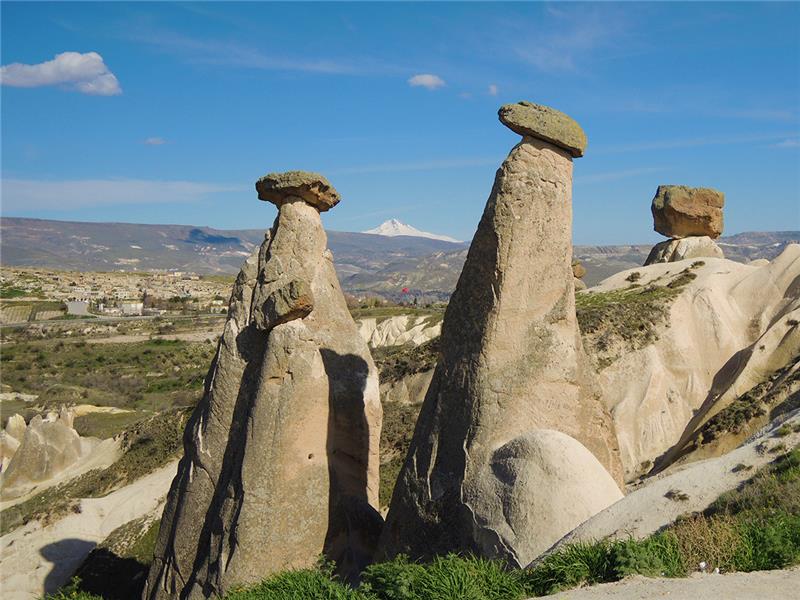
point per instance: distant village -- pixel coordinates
(31, 294)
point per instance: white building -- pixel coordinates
(130, 309)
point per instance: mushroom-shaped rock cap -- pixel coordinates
(545, 123)
(313, 188)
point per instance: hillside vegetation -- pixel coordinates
(147, 376)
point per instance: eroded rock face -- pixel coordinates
(16, 426)
(681, 249)
(680, 211)
(281, 455)
(729, 328)
(8, 447)
(45, 448)
(511, 362)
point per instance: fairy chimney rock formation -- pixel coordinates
(39, 451)
(511, 365)
(691, 218)
(281, 455)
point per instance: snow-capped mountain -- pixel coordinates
(393, 227)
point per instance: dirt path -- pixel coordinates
(760, 585)
(189, 336)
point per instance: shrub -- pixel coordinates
(457, 578)
(772, 543)
(573, 565)
(394, 580)
(72, 592)
(635, 276)
(714, 541)
(312, 584)
(658, 555)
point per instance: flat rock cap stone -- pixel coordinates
(545, 123)
(313, 188)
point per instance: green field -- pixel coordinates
(148, 376)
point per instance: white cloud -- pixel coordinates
(154, 141)
(572, 36)
(28, 194)
(493, 89)
(86, 73)
(790, 143)
(426, 80)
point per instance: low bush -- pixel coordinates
(314, 584)
(573, 565)
(71, 592)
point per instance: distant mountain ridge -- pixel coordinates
(393, 227)
(365, 262)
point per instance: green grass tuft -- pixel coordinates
(72, 592)
(313, 584)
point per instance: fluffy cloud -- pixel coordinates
(155, 141)
(86, 73)
(493, 89)
(27, 194)
(426, 80)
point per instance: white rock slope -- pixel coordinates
(729, 328)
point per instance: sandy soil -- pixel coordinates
(36, 559)
(760, 585)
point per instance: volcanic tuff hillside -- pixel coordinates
(364, 262)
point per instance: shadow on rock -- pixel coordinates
(354, 525)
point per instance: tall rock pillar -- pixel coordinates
(512, 420)
(281, 455)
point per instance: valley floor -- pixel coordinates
(759, 585)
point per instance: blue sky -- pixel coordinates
(183, 106)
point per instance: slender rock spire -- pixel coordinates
(512, 386)
(281, 454)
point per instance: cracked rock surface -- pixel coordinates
(281, 455)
